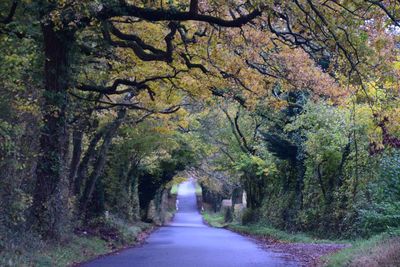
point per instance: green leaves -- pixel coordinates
(326, 130)
(256, 165)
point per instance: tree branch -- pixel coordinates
(125, 9)
(138, 46)
(191, 65)
(194, 6)
(235, 133)
(391, 16)
(11, 13)
(242, 137)
(137, 86)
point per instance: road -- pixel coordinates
(188, 242)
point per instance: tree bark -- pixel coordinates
(300, 172)
(48, 199)
(84, 164)
(76, 155)
(101, 161)
(132, 185)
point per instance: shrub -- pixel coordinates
(249, 216)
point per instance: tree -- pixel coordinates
(60, 25)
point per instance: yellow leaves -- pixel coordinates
(189, 82)
(183, 123)
(28, 108)
(277, 104)
(167, 124)
(364, 119)
(163, 130)
(393, 116)
(396, 65)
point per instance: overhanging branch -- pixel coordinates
(11, 13)
(125, 9)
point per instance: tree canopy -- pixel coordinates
(104, 102)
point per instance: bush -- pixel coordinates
(380, 217)
(249, 216)
(383, 212)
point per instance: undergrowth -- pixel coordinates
(100, 236)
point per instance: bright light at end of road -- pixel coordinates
(186, 188)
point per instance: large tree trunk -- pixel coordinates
(135, 199)
(300, 173)
(100, 162)
(132, 185)
(49, 197)
(237, 195)
(84, 164)
(76, 156)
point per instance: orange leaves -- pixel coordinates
(299, 72)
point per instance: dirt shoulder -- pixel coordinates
(307, 254)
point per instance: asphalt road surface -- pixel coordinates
(187, 242)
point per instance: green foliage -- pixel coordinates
(104, 236)
(71, 253)
(275, 234)
(387, 188)
(174, 189)
(326, 130)
(143, 160)
(380, 217)
(248, 217)
(76, 249)
(383, 212)
(18, 123)
(261, 167)
(330, 144)
(214, 219)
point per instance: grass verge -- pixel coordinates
(214, 219)
(279, 235)
(217, 220)
(380, 250)
(79, 247)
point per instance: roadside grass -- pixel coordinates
(217, 220)
(77, 250)
(279, 235)
(377, 251)
(214, 219)
(74, 248)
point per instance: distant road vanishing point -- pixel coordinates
(188, 242)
